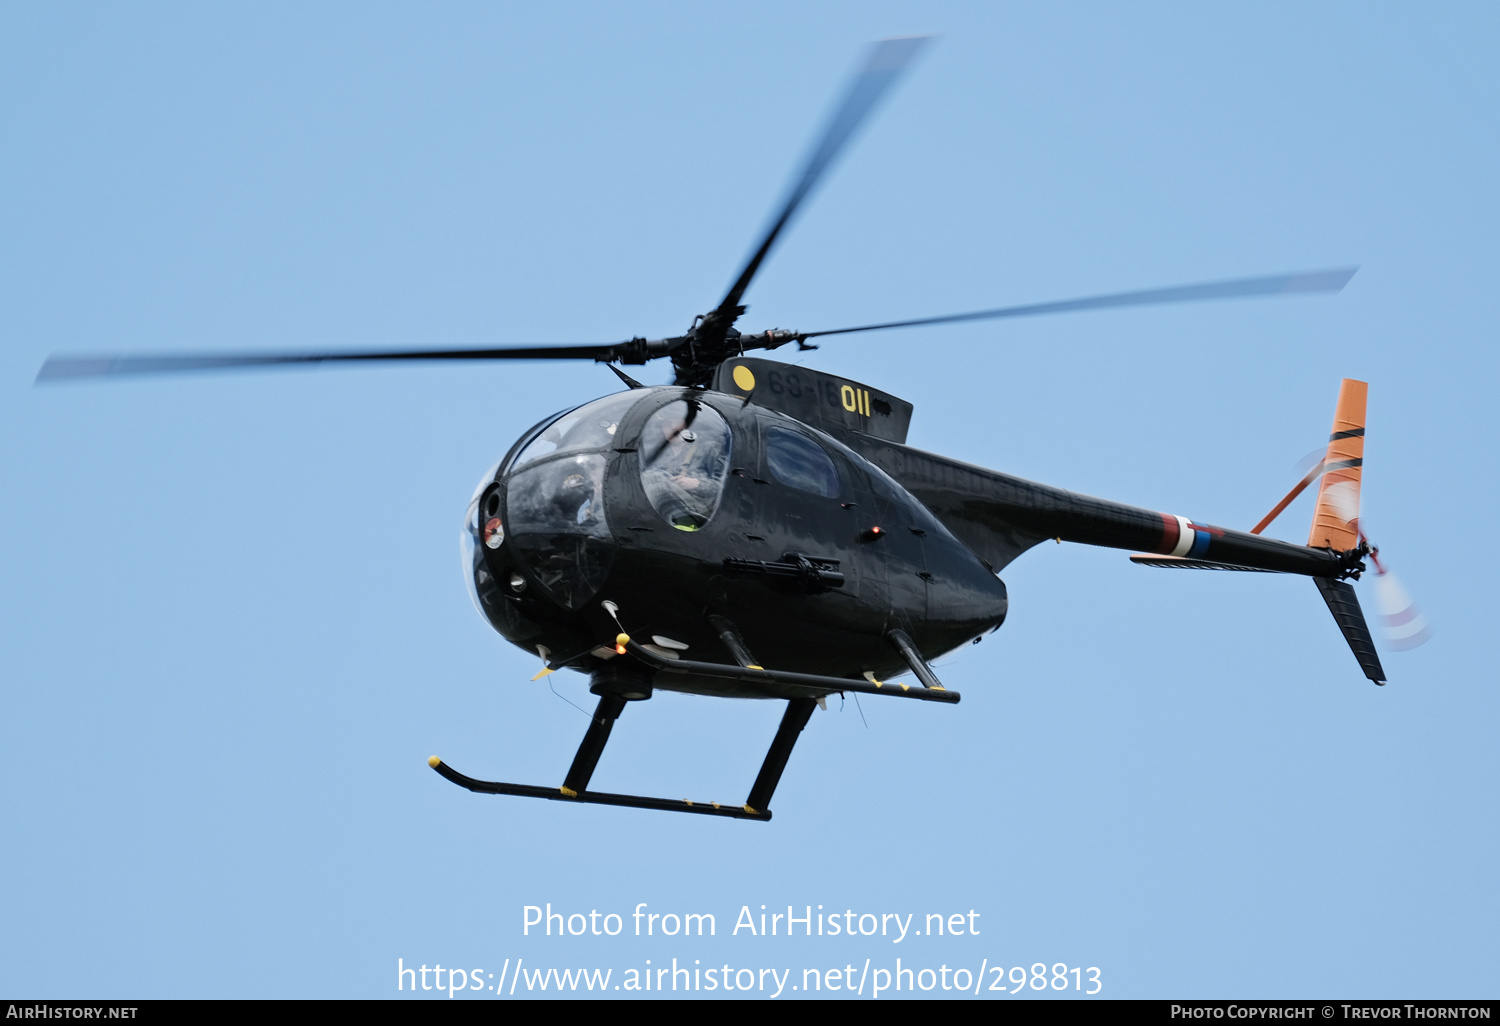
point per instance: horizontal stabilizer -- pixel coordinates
(1183, 563)
(1344, 605)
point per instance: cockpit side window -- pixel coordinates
(798, 462)
(684, 451)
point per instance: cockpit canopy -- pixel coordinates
(549, 503)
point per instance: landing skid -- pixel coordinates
(631, 801)
(575, 785)
(617, 687)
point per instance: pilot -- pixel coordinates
(576, 500)
(674, 477)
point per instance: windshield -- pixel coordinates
(555, 513)
(591, 426)
(554, 500)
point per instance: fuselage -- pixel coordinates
(666, 512)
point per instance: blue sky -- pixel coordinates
(233, 615)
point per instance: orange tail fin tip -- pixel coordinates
(1335, 522)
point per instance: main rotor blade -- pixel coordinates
(111, 365)
(886, 61)
(1281, 284)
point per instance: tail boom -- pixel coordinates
(1000, 516)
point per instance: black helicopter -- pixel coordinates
(756, 530)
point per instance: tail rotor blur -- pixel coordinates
(1402, 625)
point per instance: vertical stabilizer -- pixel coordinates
(1335, 517)
(1335, 522)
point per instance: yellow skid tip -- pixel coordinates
(569, 792)
(434, 761)
(545, 671)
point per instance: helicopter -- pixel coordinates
(757, 530)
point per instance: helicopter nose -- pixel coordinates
(552, 516)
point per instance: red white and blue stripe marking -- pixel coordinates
(1182, 538)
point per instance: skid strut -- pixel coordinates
(592, 746)
(798, 711)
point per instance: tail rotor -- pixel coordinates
(1402, 625)
(1336, 525)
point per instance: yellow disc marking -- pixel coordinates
(744, 379)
